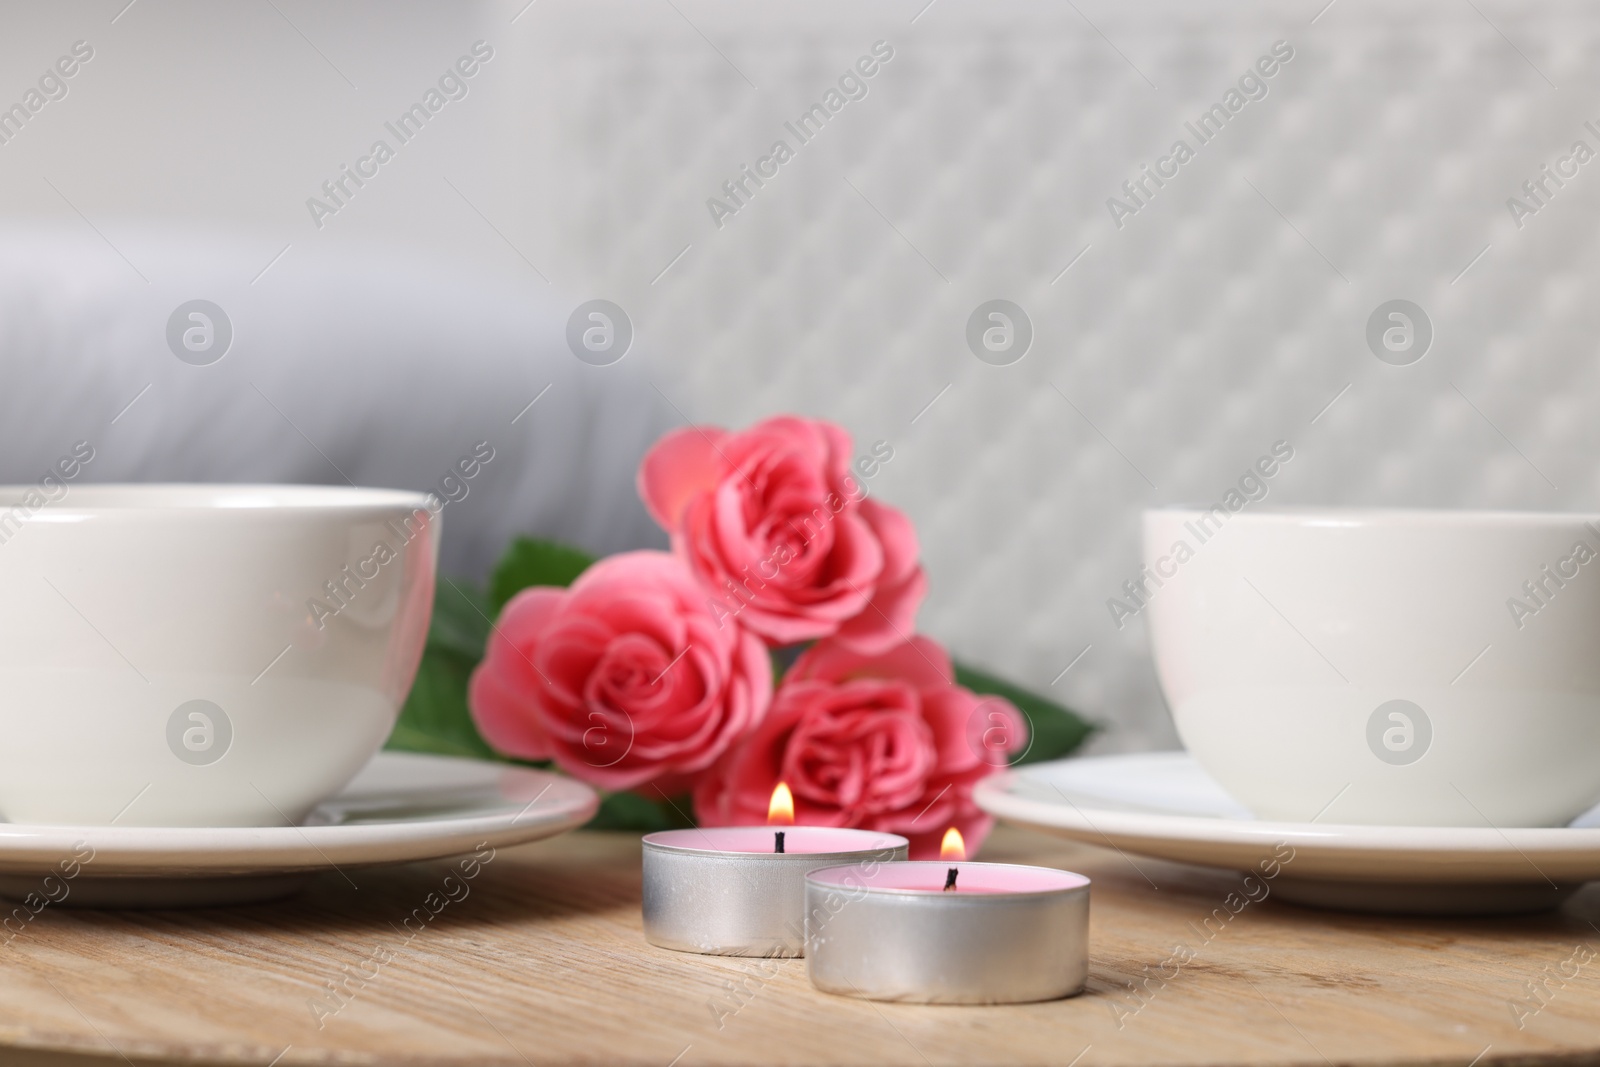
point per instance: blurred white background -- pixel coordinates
(1228, 313)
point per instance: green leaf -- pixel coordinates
(532, 562)
(1054, 730)
(629, 811)
(435, 717)
(461, 619)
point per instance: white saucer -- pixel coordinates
(1162, 804)
(402, 807)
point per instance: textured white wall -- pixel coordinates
(1224, 316)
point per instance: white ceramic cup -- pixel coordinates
(1432, 668)
(202, 655)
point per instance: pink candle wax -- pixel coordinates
(799, 840)
(930, 876)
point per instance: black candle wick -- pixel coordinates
(950, 879)
(777, 841)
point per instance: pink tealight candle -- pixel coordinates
(740, 890)
(948, 931)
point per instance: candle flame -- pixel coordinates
(781, 811)
(954, 847)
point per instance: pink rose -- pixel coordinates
(885, 743)
(627, 679)
(777, 529)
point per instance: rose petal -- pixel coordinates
(505, 720)
(922, 661)
(888, 616)
(683, 463)
(894, 531)
(629, 677)
(885, 742)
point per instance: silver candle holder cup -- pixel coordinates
(726, 890)
(1001, 934)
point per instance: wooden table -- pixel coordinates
(542, 962)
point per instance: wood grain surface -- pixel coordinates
(539, 960)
